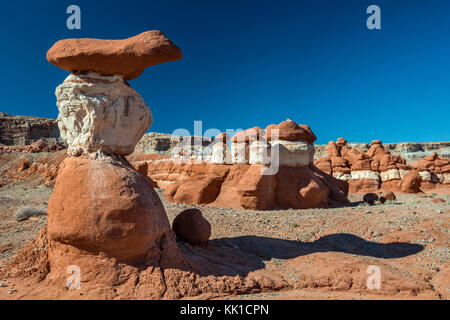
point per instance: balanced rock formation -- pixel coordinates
(126, 58)
(101, 207)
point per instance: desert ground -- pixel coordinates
(318, 253)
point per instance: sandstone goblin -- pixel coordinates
(410, 151)
(127, 58)
(378, 169)
(101, 207)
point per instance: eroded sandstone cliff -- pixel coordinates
(23, 130)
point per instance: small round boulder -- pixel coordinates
(370, 198)
(192, 227)
(390, 196)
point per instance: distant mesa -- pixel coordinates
(127, 58)
(17, 131)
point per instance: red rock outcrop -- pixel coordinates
(377, 169)
(411, 182)
(245, 180)
(35, 147)
(36, 170)
(245, 187)
(434, 170)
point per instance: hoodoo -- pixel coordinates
(101, 207)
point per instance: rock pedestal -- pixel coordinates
(102, 211)
(105, 205)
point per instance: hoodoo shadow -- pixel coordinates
(241, 255)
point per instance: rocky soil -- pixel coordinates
(319, 253)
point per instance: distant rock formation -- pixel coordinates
(410, 151)
(378, 169)
(238, 176)
(22, 130)
(165, 144)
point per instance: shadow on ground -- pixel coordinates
(241, 255)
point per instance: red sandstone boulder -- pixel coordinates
(128, 57)
(192, 227)
(438, 200)
(370, 198)
(411, 182)
(290, 131)
(390, 196)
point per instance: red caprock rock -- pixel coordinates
(290, 131)
(128, 57)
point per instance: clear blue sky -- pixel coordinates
(256, 62)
